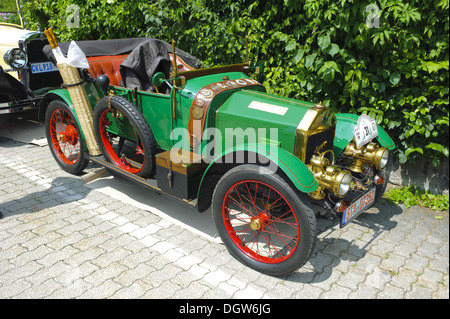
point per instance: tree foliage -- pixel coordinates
(387, 58)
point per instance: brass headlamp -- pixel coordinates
(329, 176)
(372, 154)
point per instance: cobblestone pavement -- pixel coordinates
(62, 239)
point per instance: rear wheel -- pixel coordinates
(124, 136)
(263, 221)
(64, 138)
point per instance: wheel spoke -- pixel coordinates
(252, 225)
(64, 137)
(119, 149)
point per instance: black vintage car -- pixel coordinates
(26, 74)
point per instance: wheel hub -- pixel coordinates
(69, 135)
(256, 224)
(259, 222)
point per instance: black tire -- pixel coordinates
(275, 240)
(385, 174)
(64, 138)
(135, 156)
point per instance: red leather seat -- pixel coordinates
(108, 65)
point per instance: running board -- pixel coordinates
(149, 183)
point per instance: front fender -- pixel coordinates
(344, 133)
(58, 94)
(297, 172)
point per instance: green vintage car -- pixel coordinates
(213, 137)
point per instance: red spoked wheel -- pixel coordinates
(64, 138)
(124, 136)
(263, 221)
(128, 155)
(260, 221)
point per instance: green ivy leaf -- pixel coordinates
(323, 42)
(394, 78)
(291, 46)
(436, 162)
(411, 150)
(328, 75)
(298, 55)
(284, 37)
(333, 49)
(309, 60)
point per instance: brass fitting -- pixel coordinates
(329, 176)
(372, 153)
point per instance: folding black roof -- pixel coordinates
(117, 47)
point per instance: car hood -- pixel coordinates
(11, 35)
(253, 109)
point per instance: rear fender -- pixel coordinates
(58, 94)
(345, 125)
(93, 92)
(263, 154)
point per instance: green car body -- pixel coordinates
(217, 139)
(231, 111)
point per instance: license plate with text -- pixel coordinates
(358, 207)
(43, 67)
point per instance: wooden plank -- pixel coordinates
(93, 175)
(183, 162)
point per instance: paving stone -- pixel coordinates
(62, 239)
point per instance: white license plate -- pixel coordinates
(43, 67)
(365, 130)
(358, 207)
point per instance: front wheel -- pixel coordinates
(64, 138)
(263, 221)
(385, 174)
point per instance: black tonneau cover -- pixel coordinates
(145, 58)
(117, 47)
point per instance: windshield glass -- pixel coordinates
(9, 12)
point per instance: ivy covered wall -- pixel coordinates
(388, 58)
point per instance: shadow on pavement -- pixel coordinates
(335, 245)
(61, 191)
